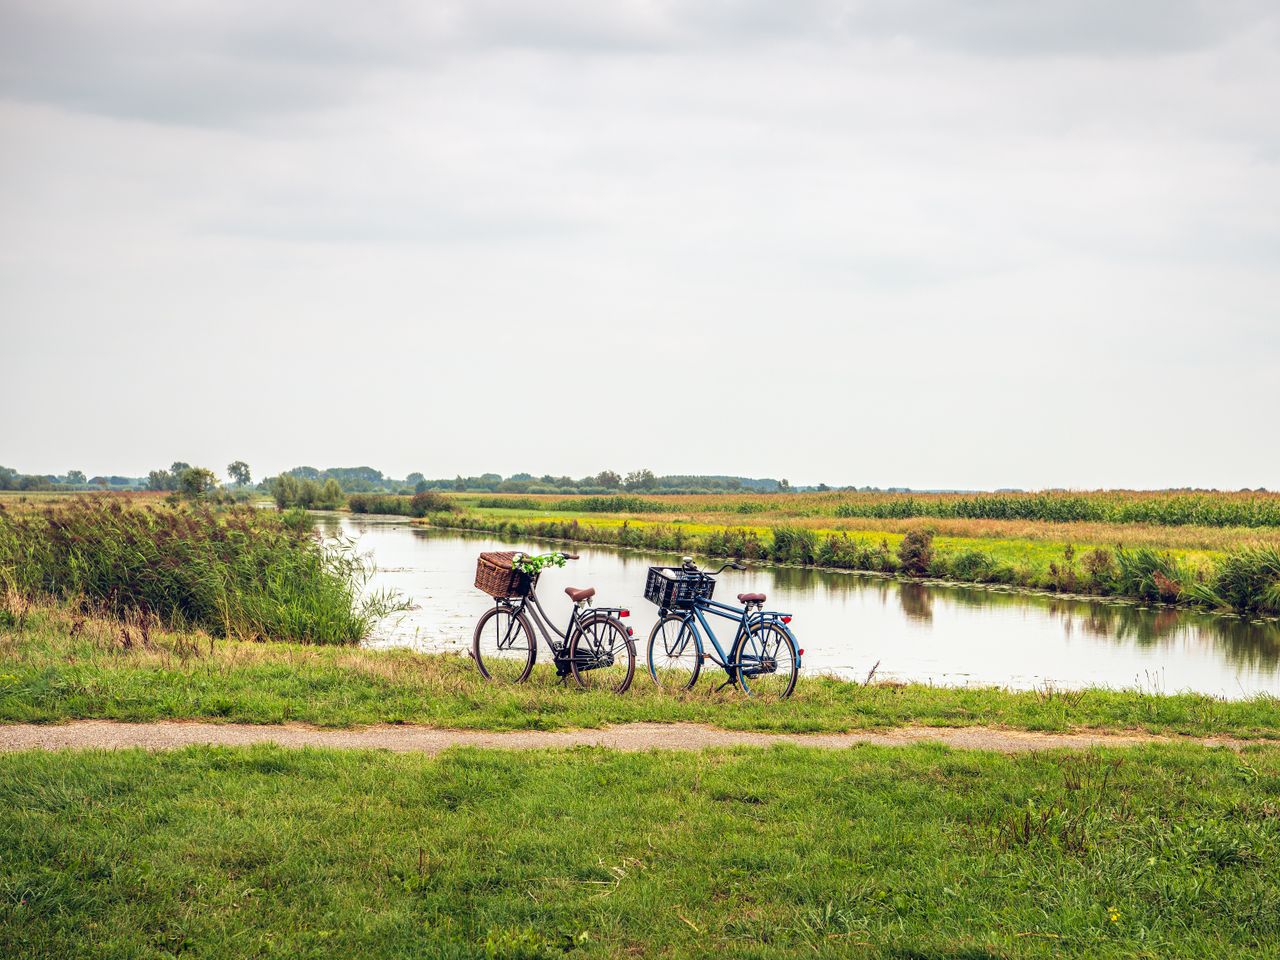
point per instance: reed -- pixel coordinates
(238, 572)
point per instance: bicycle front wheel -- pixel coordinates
(503, 646)
(602, 655)
(764, 662)
(675, 653)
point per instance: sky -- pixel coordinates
(931, 243)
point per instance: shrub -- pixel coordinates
(916, 552)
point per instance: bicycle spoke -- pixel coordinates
(603, 656)
(766, 662)
(674, 658)
(503, 647)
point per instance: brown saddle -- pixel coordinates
(751, 598)
(578, 595)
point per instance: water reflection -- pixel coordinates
(847, 622)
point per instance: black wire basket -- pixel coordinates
(671, 588)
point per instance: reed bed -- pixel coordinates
(236, 572)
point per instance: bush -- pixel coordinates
(238, 572)
(915, 553)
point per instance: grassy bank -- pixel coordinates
(236, 572)
(1245, 579)
(908, 853)
(58, 665)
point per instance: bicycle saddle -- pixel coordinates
(578, 595)
(751, 598)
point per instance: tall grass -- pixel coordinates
(1161, 508)
(1106, 506)
(239, 573)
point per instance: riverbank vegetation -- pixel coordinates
(234, 572)
(418, 505)
(1170, 851)
(1245, 580)
(58, 664)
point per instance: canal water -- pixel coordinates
(849, 624)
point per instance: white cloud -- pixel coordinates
(867, 223)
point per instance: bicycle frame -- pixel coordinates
(743, 616)
(542, 620)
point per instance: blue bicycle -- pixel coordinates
(763, 661)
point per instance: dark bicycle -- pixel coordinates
(763, 661)
(595, 647)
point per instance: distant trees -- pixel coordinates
(76, 477)
(238, 471)
(608, 479)
(288, 491)
(197, 482)
(640, 480)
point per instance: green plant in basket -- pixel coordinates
(532, 565)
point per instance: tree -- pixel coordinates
(197, 482)
(238, 471)
(160, 480)
(784, 485)
(76, 477)
(415, 479)
(285, 490)
(178, 466)
(640, 480)
(331, 496)
(609, 479)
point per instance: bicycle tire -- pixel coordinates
(668, 652)
(488, 646)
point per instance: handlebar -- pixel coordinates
(688, 564)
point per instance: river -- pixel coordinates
(848, 623)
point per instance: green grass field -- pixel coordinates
(56, 665)
(870, 852)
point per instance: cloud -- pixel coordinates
(1051, 217)
(236, 63)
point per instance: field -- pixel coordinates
(871, 852)
(1163, 558)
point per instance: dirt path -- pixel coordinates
(108, 735)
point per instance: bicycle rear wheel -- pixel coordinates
(675, 653)
(602, 655)
(764, 662)
(503, 646)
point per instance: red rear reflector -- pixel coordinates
(630, 632)
(802, 651)
(624, 613)
(786, 619)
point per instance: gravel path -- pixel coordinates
(108, 735)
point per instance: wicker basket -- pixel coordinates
(496, 576)
(674, 587)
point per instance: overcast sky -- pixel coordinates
(922, 242)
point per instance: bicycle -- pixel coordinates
(764, 660)
(595, 648)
